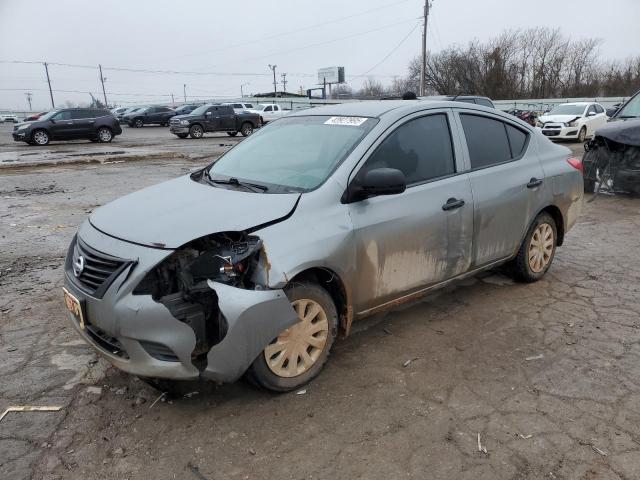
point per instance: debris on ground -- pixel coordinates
(157, 400)
(301, 392)
(535, 357)
(94, 390)
(29, 408)
(408, 362)
(481, 448)
(525, 437)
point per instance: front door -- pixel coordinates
(421, 237)
(61, 126)
(212, 117)
(507, 183)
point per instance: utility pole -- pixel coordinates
(29, 95)
(275, 84)
(284, 82)
(184, 90)
(102, 80)
(423, 66)
(241, 89)
(173, 100)
(46, 68)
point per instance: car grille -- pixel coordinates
(98, 270)
(174, 122)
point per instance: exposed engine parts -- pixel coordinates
(180, 283)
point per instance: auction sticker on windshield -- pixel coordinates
(348, 121)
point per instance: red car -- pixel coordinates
(33, 117)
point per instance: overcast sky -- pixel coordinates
(231, 38)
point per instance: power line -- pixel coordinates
(390, 53)
(290, 32)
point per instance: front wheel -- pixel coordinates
(138, 123)
(298, 354)
(40, 137)
(105, 135)
(582, 136)
(247, 129)
(196, 131)
(537, 250)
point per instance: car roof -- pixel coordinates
(579, 104)
(378, 108)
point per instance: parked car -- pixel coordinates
(185, 109)
(8, 117)
(119, 111)
(120, 116)
(478, 100)
(149, 116)
(612, 157)
(240, 107)
(254, 263)
(35, 116)
(94, 124)
(214, 118)
(269, 112)
(573, 121)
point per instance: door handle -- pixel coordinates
(452, 204)
(534, 182)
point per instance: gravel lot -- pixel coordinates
(547, 374)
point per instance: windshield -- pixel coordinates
(567, 110)
(631, 109)
(48, 115)
(293, 153)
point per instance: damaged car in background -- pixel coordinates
(254, 264)
(612, 158)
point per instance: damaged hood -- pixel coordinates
(626, 132)
(557, 118)
(173, 213)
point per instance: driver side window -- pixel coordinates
(421, 149)
(62, 115)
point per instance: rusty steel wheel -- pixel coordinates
(298, 348)
(541, 247)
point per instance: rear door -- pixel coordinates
(506, 181)
(410, 241)
(84, 122)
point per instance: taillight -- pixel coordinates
(575, 163)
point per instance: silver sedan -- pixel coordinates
(256, 263)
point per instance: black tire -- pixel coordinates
(40, 137)
(260, 374)
(521, 265)
(105, 135)
(138, 123)
(232, 134)
(589, 186)
(246, 129)
(582, 135)
(196, 131)
(182, 135)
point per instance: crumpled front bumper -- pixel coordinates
(254, 319)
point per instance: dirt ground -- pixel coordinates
(545, 376)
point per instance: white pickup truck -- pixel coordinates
(269, 112)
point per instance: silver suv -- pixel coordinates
(255, 263)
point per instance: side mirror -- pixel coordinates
(208, 114)
(611, 112)
(591, 114)
(52, 120)
(379, 181)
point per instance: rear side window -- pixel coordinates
(420, 148)
(248, 105)
(79, 114)
(491, 141)
(599, 109)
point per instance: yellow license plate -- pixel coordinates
(73, 305)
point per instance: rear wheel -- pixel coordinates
(40, 137)
(232, 134)
(196, 131)
(105, 135)
(247, 129)
(298, 354)
(537, 250)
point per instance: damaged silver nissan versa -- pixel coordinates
(254, 264)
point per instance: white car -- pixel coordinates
(240, 107)
(573, 121)
(8, 117)
(269, 112)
